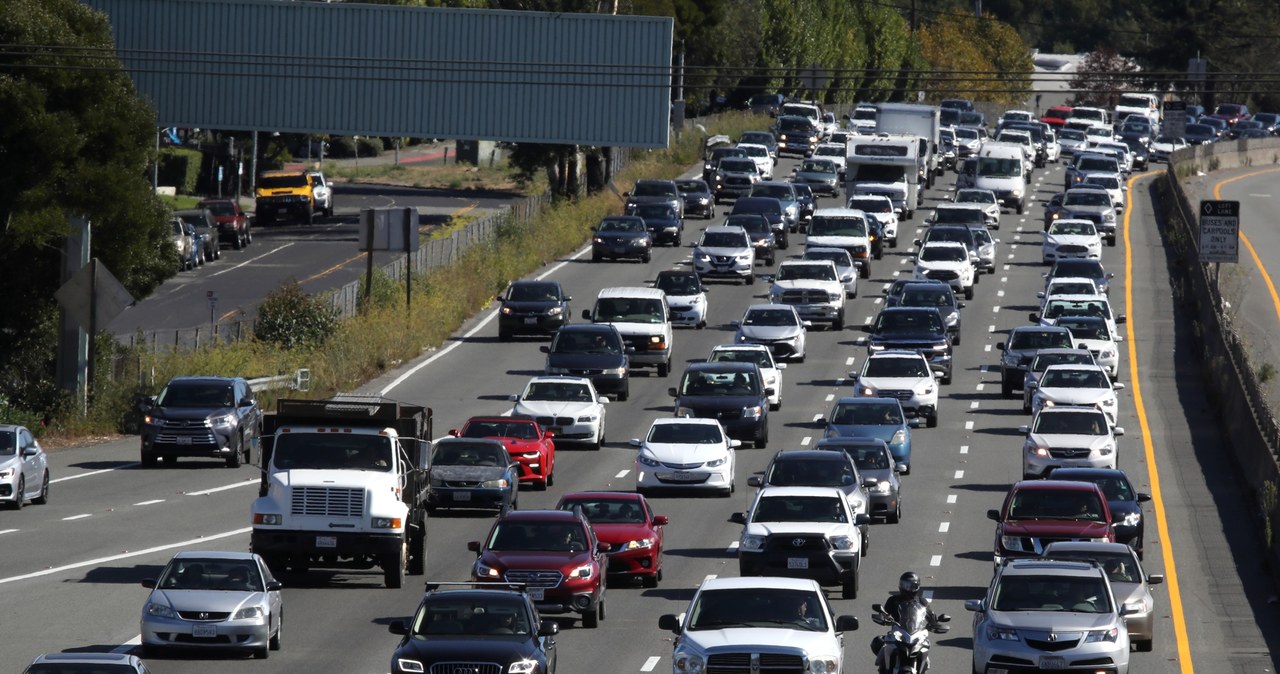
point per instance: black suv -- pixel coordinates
(473, 629)
(214, 417)
(592, 350)
(1020, 349)
(940, 296)
(761, 233)
(916, 329)
(532, 307)
(732, 392)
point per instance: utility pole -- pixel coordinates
(977, 8)
(914, 24)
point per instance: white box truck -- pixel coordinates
(922, 121)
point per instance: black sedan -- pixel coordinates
(621, 236)
(734, 393)
(662, 221)
(762, 236)
(532, 307)
(473, 629)
(698, 199)
(1124, 502)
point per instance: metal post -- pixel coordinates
(680, 73)
(93, 327)
(368, 218)
(253, 166)
(408, 258)
(357, 149)
(155, 165)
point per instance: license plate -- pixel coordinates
(183, 440)
(1053, 662)
(797, 563)
(326, 541)
(204, 631)
(462, 496)
(531, 321)
(536, 593)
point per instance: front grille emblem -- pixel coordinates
(1053, 636)
(797, 542)
(203, 616)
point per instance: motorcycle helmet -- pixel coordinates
(909, 583)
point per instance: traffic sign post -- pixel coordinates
(1175, 119)
(213, 307)
(1219, 231)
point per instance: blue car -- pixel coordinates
(880, 418)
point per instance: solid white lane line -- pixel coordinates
(621, 474)
(944, 527)
(252, 259)
(8, 531)
(959, 475)
(650, 664)
(77, 476)
(128, 645)
(935, 560)
(203, 540)
(215, 490)
(951, 498)
(804, 442)
(76, 517)
(968, 425)
(151, 502)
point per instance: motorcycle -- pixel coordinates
(907, 642)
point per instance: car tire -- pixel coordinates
(650, 581)
(262, 653)
(275, 641)
(234, 460)
(1111, 241)
(43, 498)
(238, 243)
(328, 212)
(539, 485)
(645, 259)
(838, 324)
(932, 421)
(1006, 387)
(849, 586)
(1142, 645)
(774, 407)
(751, 279)
(895, 516)
(595, 257)
(19, 496)
(393, 569)
(762, 436)
(626, 393)
(592, 620)
(956, 338)
(946, 379)
(664, 369)
(864, 271)
(968, 293)
(417, 548)
(248, 235)
(504, 336)
(310, 219)
(1021, 208)
(150, 651)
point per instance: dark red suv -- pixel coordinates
(1039, 512)
(233, 222)
(554, 554)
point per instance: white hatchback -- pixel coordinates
(685, 453)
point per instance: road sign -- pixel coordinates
(1175, 119)
(814, 78)
(94, 290)
(1219, 231)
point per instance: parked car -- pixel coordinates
(214, 417)
(184, 244)
(625, 521)
(528, 444)
(233, 222)
(206, 229)
(24, 468)
(687, 454)
(472, 473)
(213, 600)
(532, 307)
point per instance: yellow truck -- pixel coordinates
(284, 195)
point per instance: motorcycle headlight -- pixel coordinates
(688, 663)
(898, 437)
(842, 542)
(160, 610)
(1099, 636)
(639, 544)
(647, 461)
(248, 613)
(750, 542)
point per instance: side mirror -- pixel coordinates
(248, 402)
(973, 605)
(999, 346)
(846, 623)
(900, 468)
(1118, 431)
(566, 298)
(1121, 319)
(1143, 498)
(669, 622)
(634, 442)
(1034, 317)
(769, 390)
(545, 348)
(474, 546)
(877, 608)
(514, 397)
(672, 392)
(944, 618)
(149, 583)
(917, 242)
(780, 366)
(937, 375)
(549, 434)
(993, 515)
(734, 444)
(603, 400)
(586, 313)
(1118, 386)
(1131, 608)
(807, 324)
(548, 628)
(735, 324)
(861, 519)
(1155, 579)
(603, 547)
(960, 305)
(453, 432)
(1024, 429)
(755, 481)
(274, 586)
(398, 627)
(738, 518)
(661, 520)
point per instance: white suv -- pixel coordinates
(725, 252)
(904, 375)
(1068, 437)
(732, 621)
(760, 155)
(322, 193)
(813, 287)
(946, 261)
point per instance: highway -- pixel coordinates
(73, 567)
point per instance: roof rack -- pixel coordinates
(433, 585)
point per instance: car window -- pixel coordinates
(1086, 329)
(1073, 228)
(197, 395)
(470, 615)
(652, 211)
(607, 511)
(811, 166)
(537, 536)
(654, 190)
(685, 434)
(678, 284)
(809, 473)
(1058, 308)
(866, 205)
(723, 240)
(908, 321)
(478, 454)
(702, 383)
(895, 367)
(621, 226)
(533, 292)
(839, 257)
(1081, 198)
(1071, 423)
(823, 225)
(799, 509)
(943, 254)
(760, 607)
(8, 443)
(870, 458)
(818, 272)
(867, 414)
(1115, 488)
(1076, 594)
(1043, 361)
(1040, 339)
(539, 391)
(521, 430)
(758, 356)
(199, 573)
(628, 310)
(585, 342)
(1056, 504)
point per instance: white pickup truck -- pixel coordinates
(813, 287)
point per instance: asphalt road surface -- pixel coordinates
(320, 257)
(72, 568)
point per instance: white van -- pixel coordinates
(1002, 169)
(643, 318)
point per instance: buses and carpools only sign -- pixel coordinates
(1219, 231)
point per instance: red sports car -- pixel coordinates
(625, 521)
(526, 442)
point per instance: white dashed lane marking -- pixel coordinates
(935, 560)
(621, 474)
(973, 405)
(944, 527)
(830, 397)
(650, 664)
(733, 547)
(959, 475)
(968, 425)
(804, 442)
(76, 517)
(951, 498)
(964, 449)
(151, 502)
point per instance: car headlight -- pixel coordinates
(701, 257)
(866, 391)
(824, 665)
(483, 570)
(927, 390)
(899, 437)
(597, 240)
(688, 663)
(998, 633)
(160, 610)
(750, 542)
(752, 412)
(639, 544)
(583, 571)
(842, 542)
(1098, 636)
(621, 370)
(1038, 451)
(392, 522)
(555, 311)
(523, 667)
(642, 242)
(1109, 216)
(1015, 193)
(506, 311)
(248, 613)
(7, 473)
(407, 665)
(495, 484)
(224, 421)
(952, 319)
(646, 461)
(883, 487)
(1107, 450)
(716, 463)
(151, 420)
(587, 419)
(743, 257)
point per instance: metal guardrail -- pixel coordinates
(298, 381)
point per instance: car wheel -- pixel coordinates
(663, 369)
(650, 581)
(233, 461)
(932, 421)
(1142, 645)
(417, 549)
(864, 271)
(751, 279)
(504, 336)
(849, 589)
(946, 380)
(1006, 388)
(274, 642)
(328, 212)
(626, 393)
(896, 515)
(148, 460)
(310, 219)
(238, 243)
(838, 324)
(595, 257)
(540, 485)
(591, 620)
(955, 339)
(774, 407)
(968, 293)
(150, 651)
(248, 235)
(1021, 208)
(393, 569)
(646, 258)
(262, 653)
(762, 437)
(43, 498)
(1111, 241)
(19, 496)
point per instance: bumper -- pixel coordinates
(779, 349)
(296, 543)
(883, 504)
(635, 562)
(1022, 658)
(529, 323)
(695, 314)
(732, 191)
(1053, 254)
(620, 252)
(176, 632)
(532, 470)
(650, 358)
(711, 270)
(271, 209)
(1034, 467)
(447, 497)
(817, 312)
(558, 602)
(648, 477)
(217, 444)
(695, 208)
(824, 568)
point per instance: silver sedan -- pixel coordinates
(221, 600)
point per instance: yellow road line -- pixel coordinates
(1157, 500)
(1266, 278)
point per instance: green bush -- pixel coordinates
(384, 292)
(344, 147)
(179, 167)
(291, 318)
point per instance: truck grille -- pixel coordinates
(466, 668)
(737, 182)
(796, 542)
(328, 501)
(805, 296)
(534, 577)
(751, 663)
(199, 430)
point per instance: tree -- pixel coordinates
(1102, 76)
(76, 140)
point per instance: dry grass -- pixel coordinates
(435, 176)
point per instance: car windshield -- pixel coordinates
(200, 573)
(219, 208)
(679, 284)
(607, 510)
(944, 254)
(794, 125)
(1071, 134)
(611, 226)
(1071, 423)
(757, 607)
(963, 133)
(753, 224)
(628, 310)
(994, 167)
(1199, 130)
(868, 457)
(692, 187)
(770, 317)
(809, 473)
(329, 451)
(1081, 268)
(1229, 109)
(895, 367)
(1040, 339)
(218, 394)
(756, 137)
(1105, 182)
(737, 165)
(279, 182)
(465, 613)
(534, 292)
(1098, 164)
(1115, 488)
(975, 197)
(926, 297)
(723, 240)
(829, 151)
(654, 190)
(1059, 593)
(530, 536)
(720, 384)
(839, 257)
(479, 454)
(871, 413)
(782, 192)
(1081, 198)
(799, 509)
(811, 166)
(77, 668)
(1056, 504)
(956, 234)
(1043, 361)
(825, 225)
(1073, 229)
(1120, 566)
(962, 216)
(1057, 308)
(522, 430)
(755, 150)
(981, 235)
(818, 272)
(871, 205)
(656, 211)
(1086, 329)
(563, 391)
(1168, 140)
(1074, 378)
(758, 356)
(908, 321)
(685, 434)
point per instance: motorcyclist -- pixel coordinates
(909, 594)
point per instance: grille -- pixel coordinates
(721, 259)
(787, 542)
(1069, 452)
(737, 182)
(547, 422)
(535, 577)
(1095, 218)
(463, 484)
(682, 466)
(203, 615)
(942, 275)
(466, 668)
(750, 663)
(900, 395)
(1072, 249)
(586, 372)
(198, 430)
(639, 342)
(805, 297)
(1064, 642)
(328, 501)
(911, 346)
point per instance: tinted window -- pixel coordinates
(867, 414)
(1040, 339)
(192, 394)
(685, 434)
(1076, 594)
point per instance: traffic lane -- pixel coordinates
(350, 198)
(1225, 591)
